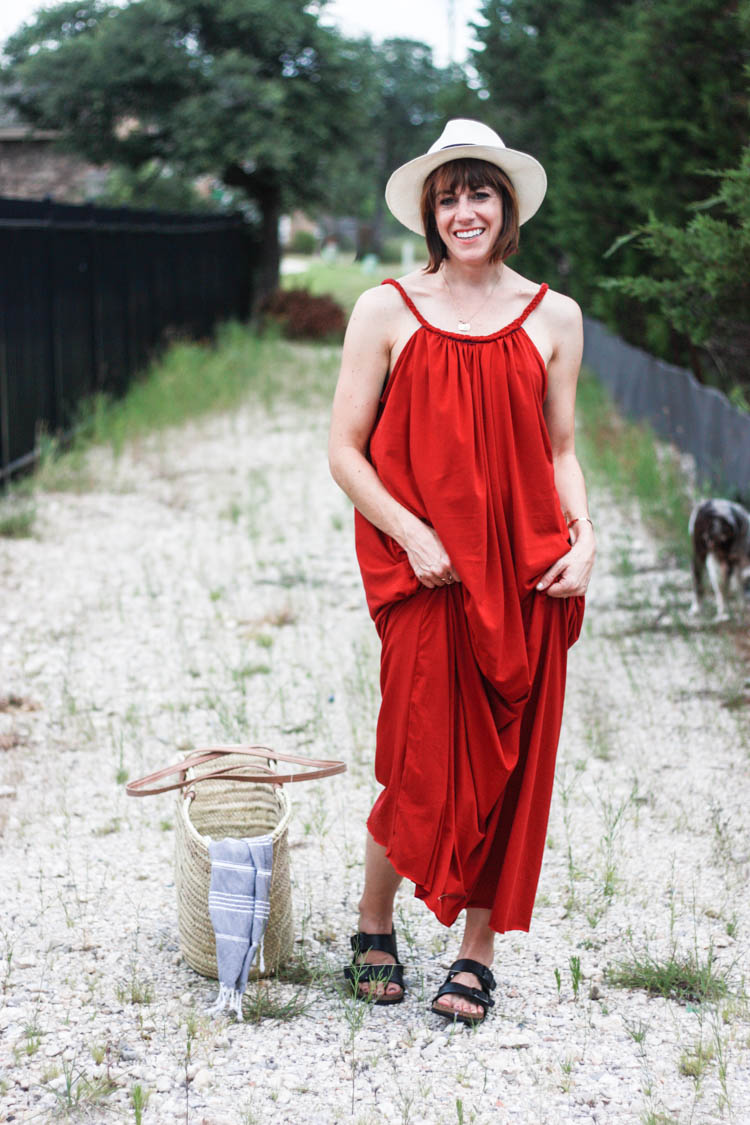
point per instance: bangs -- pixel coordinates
(459, 175)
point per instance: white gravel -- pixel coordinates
(206, 590)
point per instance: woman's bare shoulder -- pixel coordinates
(374, 322)
(379, 299)
(561, 309)
(555, 307)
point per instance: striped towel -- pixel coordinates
(238, 903)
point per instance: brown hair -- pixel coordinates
(453, 176)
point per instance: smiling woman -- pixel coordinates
(452, 433)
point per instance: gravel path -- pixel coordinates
(206, 590)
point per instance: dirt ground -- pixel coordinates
(206, 590)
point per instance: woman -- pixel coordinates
(452, 433)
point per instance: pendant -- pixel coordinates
(464, 326)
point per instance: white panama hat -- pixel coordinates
(462, 139)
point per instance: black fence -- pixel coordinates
(699, 420)
(87, 295)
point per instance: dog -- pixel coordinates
(720, 533)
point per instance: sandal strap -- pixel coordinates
(467, 965)
(382, 974)
(385, 943)
(464, 990)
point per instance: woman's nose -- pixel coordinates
(465, 208)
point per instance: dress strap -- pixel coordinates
(458, 335)
(532, 303)
(407, 300)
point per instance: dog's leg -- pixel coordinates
(698, 567)
(717, 574)
(734, 585)
(743, 582)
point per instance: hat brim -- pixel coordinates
(403, 192)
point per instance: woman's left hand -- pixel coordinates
(569, 576)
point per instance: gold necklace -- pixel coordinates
(464, 323)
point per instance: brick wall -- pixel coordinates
(34, 168)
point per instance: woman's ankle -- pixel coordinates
(478, 950)
(375, 921)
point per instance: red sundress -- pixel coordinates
(472, 674)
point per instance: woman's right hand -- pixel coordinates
(376, 323)
(427, 556)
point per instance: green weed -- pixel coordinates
(576, 975)
(17, 517)
(684, 978)
(78, 1091)
(261, 1002)
(134, 990)
(139, 1098)
(695, 1061)
(627, 458)
(188, 381)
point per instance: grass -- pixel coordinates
(695, 1061)
(17, 516)
(77, 1093)
(626, 457)
(134, 990)
(189, 381)
(139, 1098)
(686, 978)
(263, 1002)
(344, 281)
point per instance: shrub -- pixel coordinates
(303, 316)
(303, 242)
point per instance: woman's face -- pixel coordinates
(469, 222)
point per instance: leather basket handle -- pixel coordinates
(158, 782)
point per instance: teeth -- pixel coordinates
(465, 235)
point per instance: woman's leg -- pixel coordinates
(479, 945)
(376, 907)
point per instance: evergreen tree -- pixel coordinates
(626, 103)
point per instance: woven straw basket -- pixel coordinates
(215, 803)
(214, 810)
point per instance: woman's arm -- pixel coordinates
(570, 574)
(364, 367)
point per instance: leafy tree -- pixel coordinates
(156, 185)
(699, 281)
(625, 102)
(258, 92)
(705, 290)
(541, 65)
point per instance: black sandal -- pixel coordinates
(359, 972)
(476, 995)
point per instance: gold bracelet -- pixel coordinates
(578, 519)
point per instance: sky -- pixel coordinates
(426, 20)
